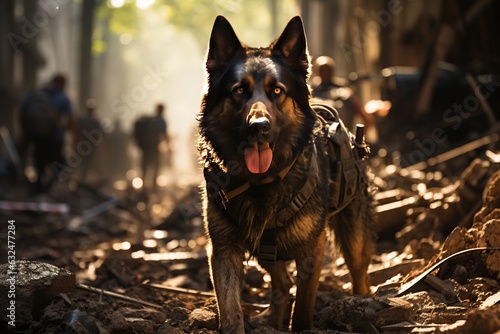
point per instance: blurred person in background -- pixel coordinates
(150, 134)
(334, 91)
(45, 115)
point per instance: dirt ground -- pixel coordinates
(134, 262)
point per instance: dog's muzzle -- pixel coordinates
(258, 153)
(259, 122)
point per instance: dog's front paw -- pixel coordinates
(266, 318)
(233, 326)
(231, 330)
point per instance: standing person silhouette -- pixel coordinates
(333, 91)
(149, 132)
(45, 115)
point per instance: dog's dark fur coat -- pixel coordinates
(257, 101)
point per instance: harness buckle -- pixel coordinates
(267, 251)
(223, 198)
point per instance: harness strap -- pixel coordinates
(343, 179)
(302, 196)
(267, 251)
(226, 195)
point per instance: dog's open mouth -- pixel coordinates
(258, 157)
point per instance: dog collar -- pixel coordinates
(225, 196)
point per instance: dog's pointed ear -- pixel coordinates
(292, 45)
(224, 43)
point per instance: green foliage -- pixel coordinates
(120, 20)
(252, 19)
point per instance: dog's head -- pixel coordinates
(256, 111)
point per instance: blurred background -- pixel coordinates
(108, 187)
(403, 59)
(125, 55)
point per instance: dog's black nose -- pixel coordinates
(261, 127)
(259, 122)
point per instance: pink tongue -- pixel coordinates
(258, 159)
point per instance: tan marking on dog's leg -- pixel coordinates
(308, 271)
(358, 268)
(358, 256)
(281, 284)
(227, 268)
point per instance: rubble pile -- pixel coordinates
(140, 266)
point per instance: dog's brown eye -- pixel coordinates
(278, 90)
(239, 90)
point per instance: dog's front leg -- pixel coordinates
(308, 272)
(226, 265)
(281, 284)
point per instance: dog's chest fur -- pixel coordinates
(255, 211)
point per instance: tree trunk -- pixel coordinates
(88, 7)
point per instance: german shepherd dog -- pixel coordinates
(267, 190)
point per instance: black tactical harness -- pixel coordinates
(344, 152)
